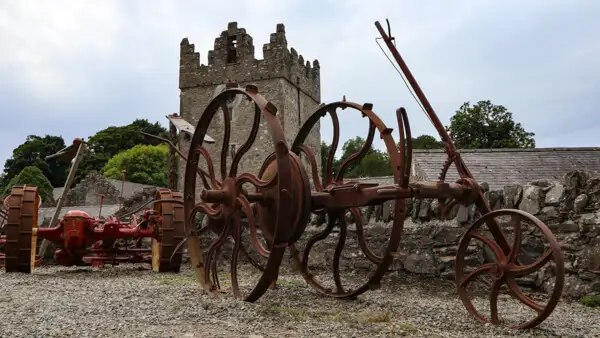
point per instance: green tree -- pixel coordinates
(485, 125)
(324, 152)
(145, 164)
(113, 140)
(31, 175)
(374, 163)
(33, 153)
(426, 142)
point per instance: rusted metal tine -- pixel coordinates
(405, 145)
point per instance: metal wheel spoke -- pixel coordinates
(517, 293)
(520, 271)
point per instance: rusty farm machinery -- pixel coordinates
(83, 240)
(276, 211)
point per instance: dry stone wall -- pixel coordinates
(570, 208)
(90, 190)
(140, 199)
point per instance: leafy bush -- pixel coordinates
(31, 176)
(145, 164)
(590, 301)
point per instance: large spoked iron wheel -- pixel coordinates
(230, 206)
(340, 287)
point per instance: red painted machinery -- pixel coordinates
(84, 240)
(3, 216)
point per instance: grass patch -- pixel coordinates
(370, 317)
(174, 279)
(225, 280)
(286, 311)
(403, 329)
(336, 317)
(328, 316)
(590, 301)
(291, 282)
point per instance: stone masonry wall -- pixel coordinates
(88, 192)
(138, 200)
(571, 209)
(282, 77)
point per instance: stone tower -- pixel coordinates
(283, 77)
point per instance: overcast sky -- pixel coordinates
(72, 68)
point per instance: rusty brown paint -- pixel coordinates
(283, 199)
(506, 266)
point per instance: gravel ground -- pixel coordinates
(130, 301)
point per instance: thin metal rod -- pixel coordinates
(63, 195)
(416, 88)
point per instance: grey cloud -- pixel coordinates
(538, 61)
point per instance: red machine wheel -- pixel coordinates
(505, 268)
(171, 233)
(21, 229)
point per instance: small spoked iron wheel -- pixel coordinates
(534, 253)
(339, 287)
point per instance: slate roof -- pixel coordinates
(500, 167)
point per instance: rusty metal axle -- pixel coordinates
(354, 194)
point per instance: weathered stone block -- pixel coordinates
(553, 195)
(387, 212)
(580, 202)
(565, 227)
(463, 214)
(590, 259)
(423, 262)
(445, 235)
(424, 210)
(532, 199)
(548, 213)
(512, 195)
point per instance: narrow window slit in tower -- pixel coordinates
(231, 49)
(298, 101)
(232, 150)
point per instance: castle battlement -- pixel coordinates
(233, 60)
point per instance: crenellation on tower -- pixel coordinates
(233, 58)
(233, 46)
(283, 76)
(189, 62)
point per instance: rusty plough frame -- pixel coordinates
(283, 200)
(280, 206)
